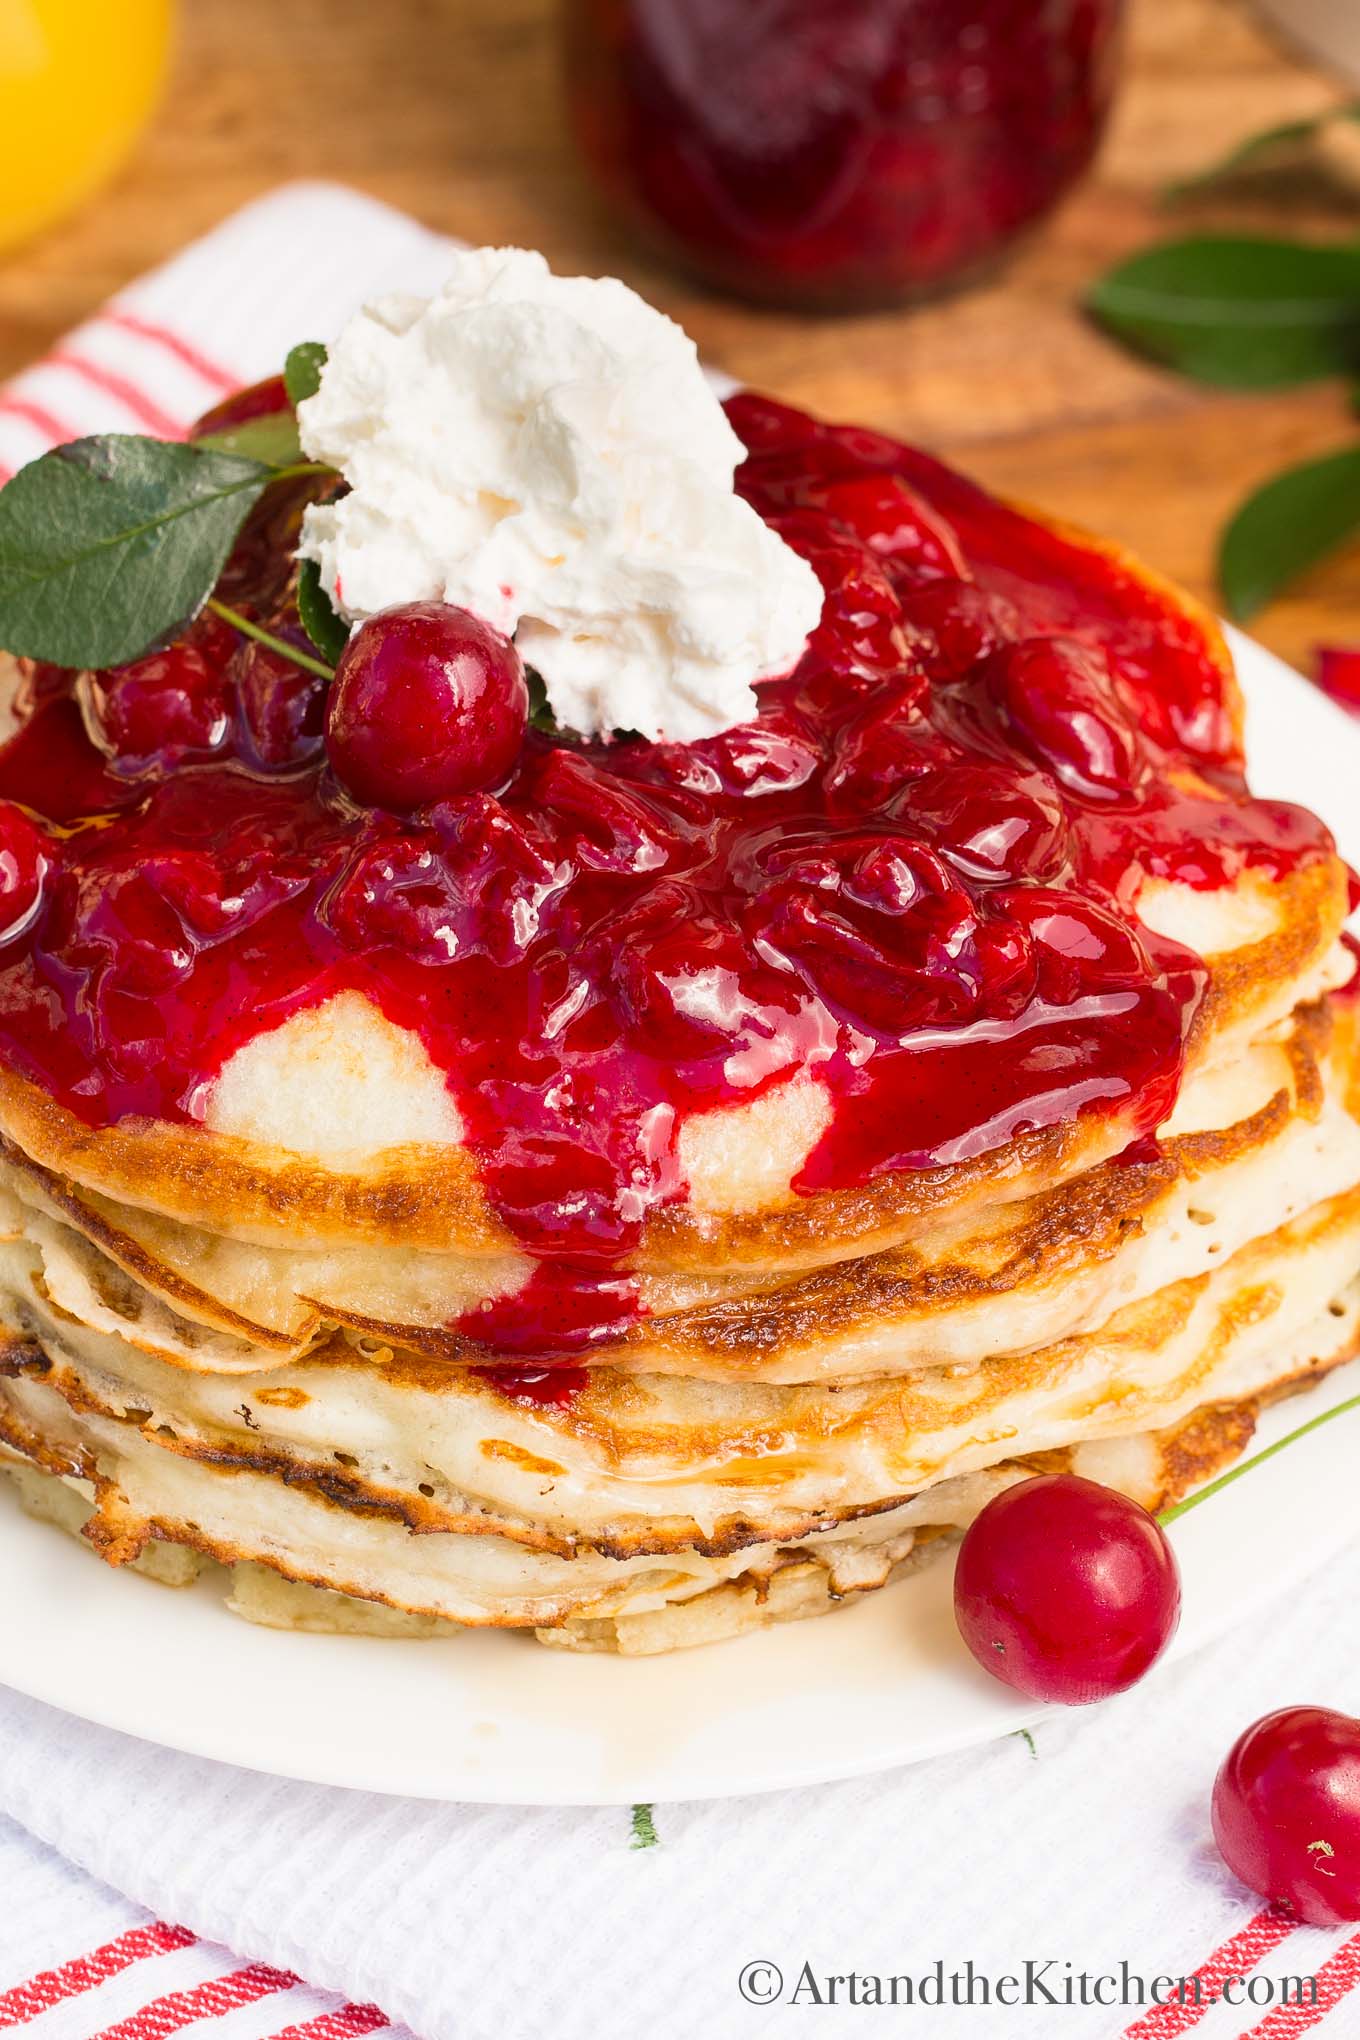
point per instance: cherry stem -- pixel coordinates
(1193, 1501)
(266, 637)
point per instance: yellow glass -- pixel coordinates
(78, 79)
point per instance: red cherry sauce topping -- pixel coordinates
(915, 871)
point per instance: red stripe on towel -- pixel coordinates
(210, 2000)
(1335, 1980)
(347, 2022)
(117, 386)
(86, 1972)
(1235, 1958)
(161, 336)
(41, 419)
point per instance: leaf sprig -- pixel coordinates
(1255, 312)
(111, 545)
(1240, 310)
(1290, 146)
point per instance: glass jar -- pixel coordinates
(839, 153)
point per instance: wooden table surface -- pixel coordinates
(451, 108)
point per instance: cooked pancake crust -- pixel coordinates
(788, 1584)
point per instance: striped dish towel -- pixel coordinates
(145, 1894)
(223, 312)
(142, 1980)
(75, 1958)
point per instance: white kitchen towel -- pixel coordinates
(482, 1923)
(145, 1894)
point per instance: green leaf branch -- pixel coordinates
(1255, 312)
(111, 545)
(1240, 310)
(317, 615)
(1290, 146)
(1296, 520)
(644, 1828)
(272, 439)
(302, 371)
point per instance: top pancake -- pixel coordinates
(732, 1107)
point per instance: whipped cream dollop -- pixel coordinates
(546, 452)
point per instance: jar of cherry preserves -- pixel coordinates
(834, 154)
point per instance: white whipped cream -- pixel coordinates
(546, 452)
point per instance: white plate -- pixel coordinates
(495, 1718)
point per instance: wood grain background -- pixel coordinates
(451, 108)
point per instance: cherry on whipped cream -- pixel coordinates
(428, 703)
(1065, 1589)
(1286, 1812)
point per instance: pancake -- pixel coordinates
(677, 1191)
(789, 1584)
(320, 1533)
(1257, 1140)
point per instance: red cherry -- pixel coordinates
(897, 524)
(1080, 947)
(765, 426)
(257, 400)
(428, 702)
(23, 866)
(952, 625)
(992, 821)
(1338, 674)
(161, 709)
(281, 707)
(1286, 1812)
(1061, 703)
(1065, 1589)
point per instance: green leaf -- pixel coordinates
(644, 1828)
(109, 545)
(540, 714)
(272, 439)
(1239, 310)
(1273, 148)
(302, 371)
(327, 631)
(1288, 526)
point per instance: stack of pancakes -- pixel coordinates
(240, 1339)
(232, 1337)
